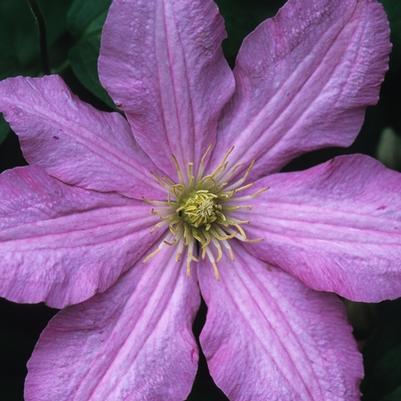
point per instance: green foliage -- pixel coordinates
(394, 396)
(85, 22)
(391, 101)
(21, 52)
(393, 11)
(83, 58)
(241, 18)
(382, 355)
(389, 149)
(87, 17)
(4, 130)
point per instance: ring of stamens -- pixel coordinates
(200, 212)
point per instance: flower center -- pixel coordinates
(201, 209)
(202, 212)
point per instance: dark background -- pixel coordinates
(64, 38)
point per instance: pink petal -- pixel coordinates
(162, 63)
(61, 244)
(304, 79)
(73, 141)
(336, 226)
(268, 337)
(132, 343)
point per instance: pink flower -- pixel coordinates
(75, 229)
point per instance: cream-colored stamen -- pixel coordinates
(200, 211)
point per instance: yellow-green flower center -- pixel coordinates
(200, 209)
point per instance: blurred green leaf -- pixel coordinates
(389, 149)
(382, 353)
(20, 51)
(241, 18)
(394, 396)
(54, 13)
(391, 101)
(362, 316)
(393, 11)
(387, 371)
(4, 129)
(83, 59)
(55, 16)
(85, 21)
(87, 17)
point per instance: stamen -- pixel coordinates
(216, 243)
(253, 241)
(238, 207)
(180, 251)
(202, 164)
(213, 263)
(244, 177)
(229, 250)
(170, 243)
(158, 226)
(244, 187)
(190, 257)
(157, 203)
(230, 174)
(190, 174)
(200, 211)
(152, 254)
(178, 169)
(222, 166)
(248, 197)
(164, 182)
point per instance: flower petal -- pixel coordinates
(132, 343)
(73, 141)
(61, 244)
(336, 226)
(161, 61)
(268, 337)
(304, 79)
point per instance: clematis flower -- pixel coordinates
(127, 221)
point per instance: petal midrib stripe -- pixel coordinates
(257, 123)
(260, 340)
(165, 300)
